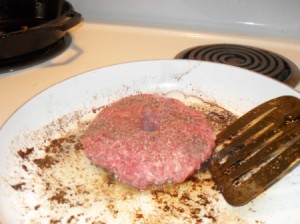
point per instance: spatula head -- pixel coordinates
(257, 150)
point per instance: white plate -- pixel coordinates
(235, 89)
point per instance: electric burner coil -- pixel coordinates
(254, 59)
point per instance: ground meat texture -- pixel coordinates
(149, 140)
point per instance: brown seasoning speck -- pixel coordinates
(59, 197)
(18, 187)
(26, 153)
(45, 162)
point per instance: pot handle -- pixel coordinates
(66, 22)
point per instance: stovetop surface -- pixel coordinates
(95, 45)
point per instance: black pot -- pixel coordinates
(31, 25)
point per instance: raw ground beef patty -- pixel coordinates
(149, 140)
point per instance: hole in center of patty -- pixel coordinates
(149, 121)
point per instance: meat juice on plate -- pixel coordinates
(56, 183)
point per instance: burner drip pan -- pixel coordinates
(255, 59)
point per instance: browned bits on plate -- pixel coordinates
(45, 162)
(18, 187)
(24, 168)
(203, 200)
(65, 154)
(26, 153)
(59, 197)
(185, 197)
(78, 146)
(139, 216)
(70, 219)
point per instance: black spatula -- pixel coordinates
(257, 150)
